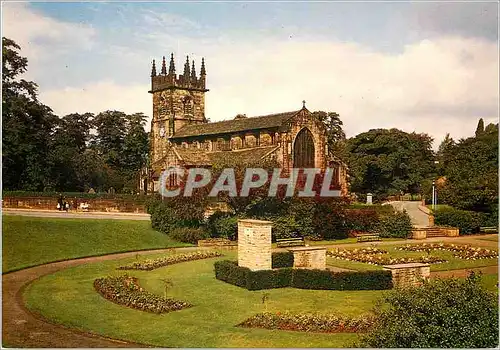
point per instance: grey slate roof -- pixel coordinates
(235, 125)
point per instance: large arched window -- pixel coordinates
(303, 150)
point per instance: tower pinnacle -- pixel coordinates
(171, 68)
(203, 72)
(193, 73)
(163, 67)
(186, 69)
(153, 70)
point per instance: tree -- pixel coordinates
(472, 173)
(442, 313)
(334, 133)
(388, 162)
(445, 153)
(27, 126)
(480, 127)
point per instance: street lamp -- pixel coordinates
(434, 197)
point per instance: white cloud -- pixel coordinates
(42, 38)
(99, 97)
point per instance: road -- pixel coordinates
(75, 215)
(418, 217)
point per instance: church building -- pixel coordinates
(181, 135)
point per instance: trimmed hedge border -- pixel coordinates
(229, 271)
(125, 290)
(282, 259)
(309, 322)
(152, 264)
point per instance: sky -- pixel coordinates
(428, 67)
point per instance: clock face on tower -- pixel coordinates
(162, 132)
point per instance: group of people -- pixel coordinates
(62, 204)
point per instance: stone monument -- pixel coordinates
(254, 244)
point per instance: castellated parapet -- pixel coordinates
(254, 244)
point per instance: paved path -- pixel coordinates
(22, 328)
(418, 217)
(75, 214)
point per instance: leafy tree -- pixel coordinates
(335, 134)
(387, 162)
(480, 127)
(445, 153)
(27, 126)
(442, 313)
(472, 173)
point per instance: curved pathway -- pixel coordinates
(418, 217)
(23, 329)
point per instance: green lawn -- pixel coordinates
(493, 237)
(451, 264)
(28, 241)
(440, 206)
(218, 307)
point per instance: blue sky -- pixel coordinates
(425, 67)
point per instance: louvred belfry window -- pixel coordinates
(303, 150)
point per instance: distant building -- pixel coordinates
(181, 136)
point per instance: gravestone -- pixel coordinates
(369, 198)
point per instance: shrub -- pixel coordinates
(323, 279)
(125, 290)
(152, 264)
(308, 322)
(282, 259)
(361, 220)
(329, 218)
(225, 226)
(230, 272)
(397, 225)
(468, 222)
(442, 313)
(169, 213)
(285, 227)
(188, 234)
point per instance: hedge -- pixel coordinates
(323, 279)
(52, 194)
(282, 259)
(230, 272)
(468, 222)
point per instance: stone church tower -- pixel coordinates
(177, 101)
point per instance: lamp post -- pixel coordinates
(434, 199)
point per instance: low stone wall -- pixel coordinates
(218, 243)
(408, 275)
(309, 257)
(95, 204)
(254, 244)
(421, 232)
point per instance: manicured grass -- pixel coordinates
(493, 237)
(68, 297)
(28, 241)
(439, 206)
(451, 264)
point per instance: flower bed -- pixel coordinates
(125, 290)
(308, 322)
(152, 264)
(459, 251)
(375, 256)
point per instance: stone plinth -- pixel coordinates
(408, 275)
(309, 257)
(254, 244)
